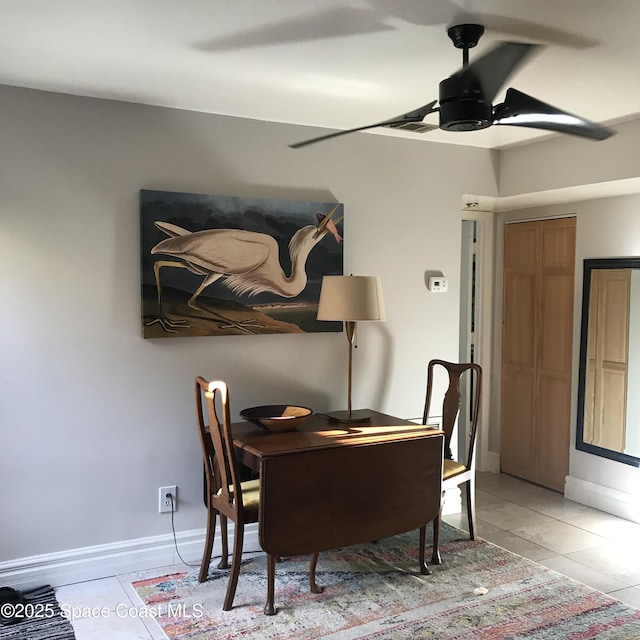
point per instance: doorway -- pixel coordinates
(476, 322)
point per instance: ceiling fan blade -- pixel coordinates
(521, 110)
(491, 70)
(417, 115)
(418, 12)
(532, 31)
(323, 24)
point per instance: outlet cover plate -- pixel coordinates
(164, 504)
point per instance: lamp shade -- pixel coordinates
(351, 298)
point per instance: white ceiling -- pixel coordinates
(324, 63)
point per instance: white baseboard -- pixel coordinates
(488, 461)
(452, 502)
(101, 561)
(618, 503)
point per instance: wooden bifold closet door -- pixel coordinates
(537, 336)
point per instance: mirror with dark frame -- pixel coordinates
(608, 415)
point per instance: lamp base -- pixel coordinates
(361, 415)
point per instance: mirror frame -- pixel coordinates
(589, 265)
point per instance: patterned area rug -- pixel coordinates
(376, 591)
(40, 618)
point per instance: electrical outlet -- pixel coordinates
(164, 502)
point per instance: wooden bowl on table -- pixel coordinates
(277, 417)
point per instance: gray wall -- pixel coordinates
(564, 162)
(94, 419)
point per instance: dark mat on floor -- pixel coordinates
(37, 618)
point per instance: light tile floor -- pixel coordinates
(593, 547)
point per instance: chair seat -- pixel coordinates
(452, 468)
(250, 494)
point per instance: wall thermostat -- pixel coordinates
(438, 283)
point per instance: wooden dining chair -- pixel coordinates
(454, 472)
(226, 495)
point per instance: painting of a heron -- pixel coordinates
(223, 265)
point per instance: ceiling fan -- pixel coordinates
(465, 98)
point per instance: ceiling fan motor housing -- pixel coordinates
(463, 109)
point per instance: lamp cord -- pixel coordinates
(175, 540)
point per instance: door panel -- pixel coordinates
(558, 240)
(519, 310)
(520, 251)
(516, 455)
(552, 430)
(556, 322)
(613, 409)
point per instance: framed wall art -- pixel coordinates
(224, 265)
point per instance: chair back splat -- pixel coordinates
(217, 442)
(452, 401)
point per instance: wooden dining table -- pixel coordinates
(327, 485)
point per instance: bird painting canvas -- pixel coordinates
(227, 265)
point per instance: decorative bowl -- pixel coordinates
(277, 417)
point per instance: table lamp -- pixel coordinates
(350, 299)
